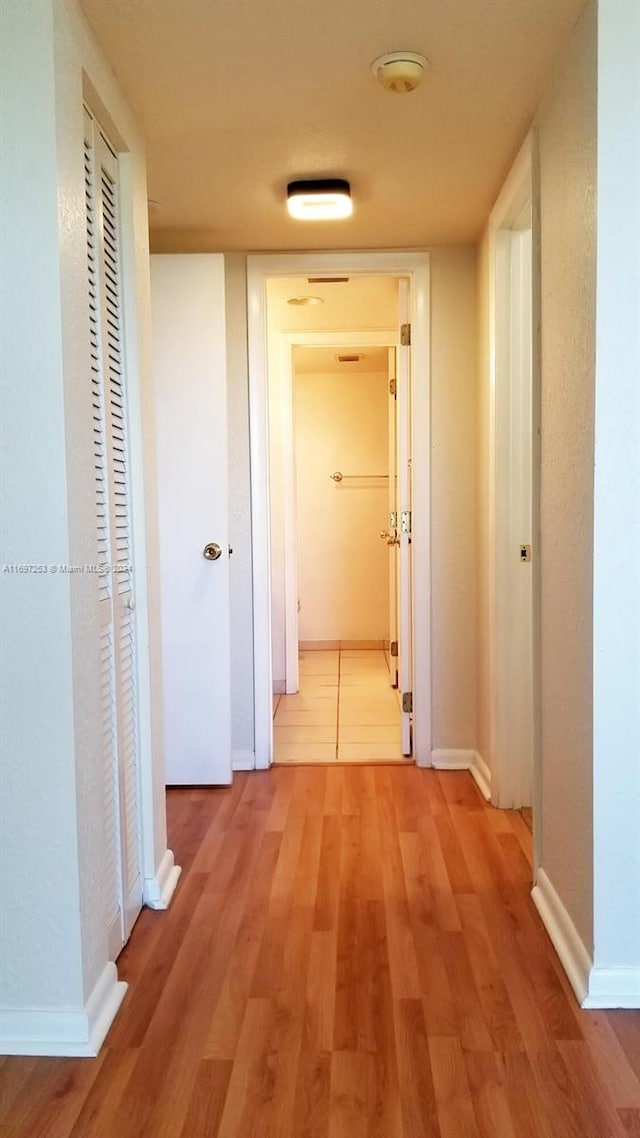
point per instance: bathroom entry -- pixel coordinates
(340, 541)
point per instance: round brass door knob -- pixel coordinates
(212, 551)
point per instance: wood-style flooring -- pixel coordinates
(352, 952)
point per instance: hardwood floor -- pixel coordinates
(352, 952)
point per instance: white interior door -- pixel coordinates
(403, 429)
(392, 524)
(189, 372)
(115, 598)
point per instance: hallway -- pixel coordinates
(345, 711)
(352, 952)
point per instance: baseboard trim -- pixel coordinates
(243, 761)
(64, 1033)
(279, 687)
(613, 988)
(481, 774)
(157, 891)
(564, 936)
(450, 759)
(344, 645)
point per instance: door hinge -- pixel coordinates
(393, 648)
(405, 521)
(392, 387)
(393, 519)
(407, 701)
(405, 335)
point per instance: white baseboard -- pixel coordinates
(243, 761)
(481, 774)
(564, 936)
(462, 760)
(68, 1033)
(613, 988)
(157, 891)
(451, 760)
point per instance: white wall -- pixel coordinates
(453, 497)
(567, 141)
(616, 600)
(341, 423)
(53, 931)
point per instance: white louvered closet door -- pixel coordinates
(122, 871)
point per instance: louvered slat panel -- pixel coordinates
(96, 379)
(112, 870)
(121, 545)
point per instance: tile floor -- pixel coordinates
(346, 711)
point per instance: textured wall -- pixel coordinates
(239, 505)
(482, 507)
(453, 496)
(341, 423)
(567, 137)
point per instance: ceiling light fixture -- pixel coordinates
(400, 71)
(325, 199)
(300, 300)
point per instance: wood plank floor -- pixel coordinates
(352, 953)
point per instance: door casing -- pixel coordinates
(509, 774)
(415, 267)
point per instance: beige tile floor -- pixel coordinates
(346, 711)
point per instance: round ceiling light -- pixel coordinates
(400, 71)
(300, 300)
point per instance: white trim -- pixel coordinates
(451, 759)
(510, 778)
(564, 936)
(613, 988)
(243, 760)
(414, 265)
(455, 759)
(289, 341)
(158, 890)
(481, 775)
(54, 1031)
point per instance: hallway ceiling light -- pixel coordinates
(325, 199)
(400, 71)
(299, 300)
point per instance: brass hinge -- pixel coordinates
(393, 648)
(407, 701)
(392, 387)
(405, 335)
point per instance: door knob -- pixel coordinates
(393, 540)
(212, 551)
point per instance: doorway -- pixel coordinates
(337, 493)
(272, 568)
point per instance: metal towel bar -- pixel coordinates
(338, 476)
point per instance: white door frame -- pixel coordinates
(289, 341)
(508, 774)
(415, 266)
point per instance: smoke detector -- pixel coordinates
(400, 71)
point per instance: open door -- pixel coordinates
(403, 513)
(189, 373)
(391, 533)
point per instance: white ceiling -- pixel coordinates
(237, 97)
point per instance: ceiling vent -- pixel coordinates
(327, 280)
(348, 359)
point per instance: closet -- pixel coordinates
(122, 881)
